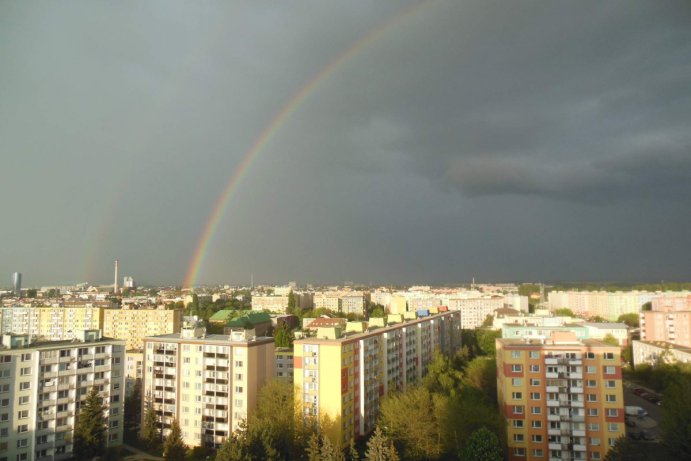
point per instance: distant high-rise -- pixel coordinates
(115, 283)
(17, 283)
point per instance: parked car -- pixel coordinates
(647, 435)
(635, 435)
(638, 391)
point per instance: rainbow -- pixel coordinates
(272, 128)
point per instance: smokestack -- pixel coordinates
(115, 285)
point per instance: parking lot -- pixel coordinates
(649, 423)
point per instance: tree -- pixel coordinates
(482, 445)
(647, 306)
(412, 420)
(486, 339)
(282, 336)
(380, 448)
(631, 319)
(441, 376)
(133, 406)
(233, 449)
(598, 319)
(489, 320)
(676, 416)
(481, 373)
(151, 432)
(31, 293)
(291, 302)
(377, 310)
(610, 339)
(173, 448)
(564, 312)
(90, 428)
(469, 412)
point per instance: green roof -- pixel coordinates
(249, 320)
(221, 315)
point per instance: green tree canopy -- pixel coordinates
(676, 419)
(380, 448)
(564, 312)
(631, 319)
(283, 337)
(482, 445)
(151, 430)
(90, 428)
(173, 448)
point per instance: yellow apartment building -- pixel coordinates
(341, 375)
(133, 325)
(208, 383)
(562, 397)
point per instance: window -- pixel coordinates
(534, 354)
(609, 356)
(4, 373)
(4, 388)
(590, 369)
(518, 438)
(609, 370)
(519, 451)
(26, 357)
(4, 402)
(517, 423)
(23, 414)
(5, 358)
(515, 354)
(536, 410)
(238, 389)
(517, 395)
(25, 385)
(592, 397)
(516, 382)
(534, 382)
(612, 412)
(21, 443)
(536, 424)
(25, 371)
(592, 411)
(611, 384)
(537, 438)
(610, 398)
(516, 368)
(537, 452)
(612, 427)
(534, 396)
(238, 363)
(591, 383)
(593, 427)
(594, 441)
(23, 428)
(535, 368)
(595, 455)
(611, 442)
(518, 409)
(590, 355)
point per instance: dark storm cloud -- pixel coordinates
(432, 154)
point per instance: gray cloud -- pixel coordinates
(430, 155)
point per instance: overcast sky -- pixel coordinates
(489, 139)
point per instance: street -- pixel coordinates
(650, 422)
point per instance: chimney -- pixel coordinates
(115, 284)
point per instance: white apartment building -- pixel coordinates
(208, 383)
(474, 311)
(652, 352)
(608, 305)
(41, 385)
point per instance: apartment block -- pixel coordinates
(670, 326)
(208, 383)
(608, 305)
(474, 311)
(284, 364)
(133, 325)
(41, 386)
(562, 397)
(341, 375)
(54, 323)
(134, 369)
(653, 352)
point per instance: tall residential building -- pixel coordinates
(342, 374)
(608, 305)
(17, 283)
(208, 383)
(133, 325)
(654, 352)
(41, 385)
(669, 326)
(474, 311)
(562, 397)
(50, 323)
(134, 369)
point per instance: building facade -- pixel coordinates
(474, 311)
(53, 323)
(654, 352)
(208, 383)
(133, 325)
(562, 397)
(672, 326)
(340, 376)
(41, 385)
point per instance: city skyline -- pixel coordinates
(425, 142)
